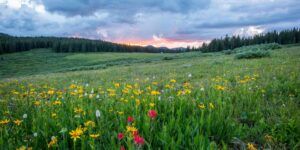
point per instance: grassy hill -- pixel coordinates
(43, 61)
(202, 101)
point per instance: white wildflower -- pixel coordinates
(25, 116)
(35, 134)
(98, 113)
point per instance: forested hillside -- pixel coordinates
(291, 36)
(9, 44)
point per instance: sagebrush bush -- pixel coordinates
(252, 54)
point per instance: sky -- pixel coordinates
(161, 23)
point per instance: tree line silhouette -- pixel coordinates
(290, 36)
(9, 44)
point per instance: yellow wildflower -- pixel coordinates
(129, 86)
(78, 110)
(37, 103)
(94, 136)
(151, 104)
(54, 115)
(57, 102)
(250, 146)
(211, 105)
(173, 81)
(120, 112)
(4, 122)
(72, 86)
(201, 106)
(50, 92)
(90, 124)
(18, 122)
(131, 129)
(52, 142)
(220, 88)
(75, 134)
(154, 83)
(155, 92)
(24, 148)
(137, 102)
(117, 85)
(268, 138)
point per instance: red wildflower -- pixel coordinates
(135, 133)
(152, 114)
(139, 140)
(130, 119)
(120, 136)
(122, 148)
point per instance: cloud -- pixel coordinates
(249, 31)
(88, 7)
(144, 22)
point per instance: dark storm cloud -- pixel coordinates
(118, 20)
(258, 15)
(88, 7)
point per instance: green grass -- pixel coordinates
(43, 61)
(259, 104)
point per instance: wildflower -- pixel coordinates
(139, 140)
(53, 115)
(173, 81)
(98, 113)
(211, 105)
(52, 142)
(35, 134)
(18, 122)
(25, 116)
(75, 134)
(268, 138)
(151, 104)
(63, 130)
(155, 93)
(4, 122)
(190, 75)
(135, 133)
(122, 148)
(89, 123)
(94, 136)
(50, 92)
(131, 129)
(250, 146)
(117, 85)
(24, 148)
(137, 102)
(130, 119)
(72, 86)
(57, 102)
(120, 112)
(220, 88)
(120, 136)
(78, 110)
(154, 83)
(37, 103)
(152, 114)
(201, 106)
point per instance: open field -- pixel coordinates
(173, 101)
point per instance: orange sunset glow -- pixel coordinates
(162, 42)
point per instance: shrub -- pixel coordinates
(252, 54)
(167, 58)
(228, 52)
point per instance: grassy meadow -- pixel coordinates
(149, 101)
